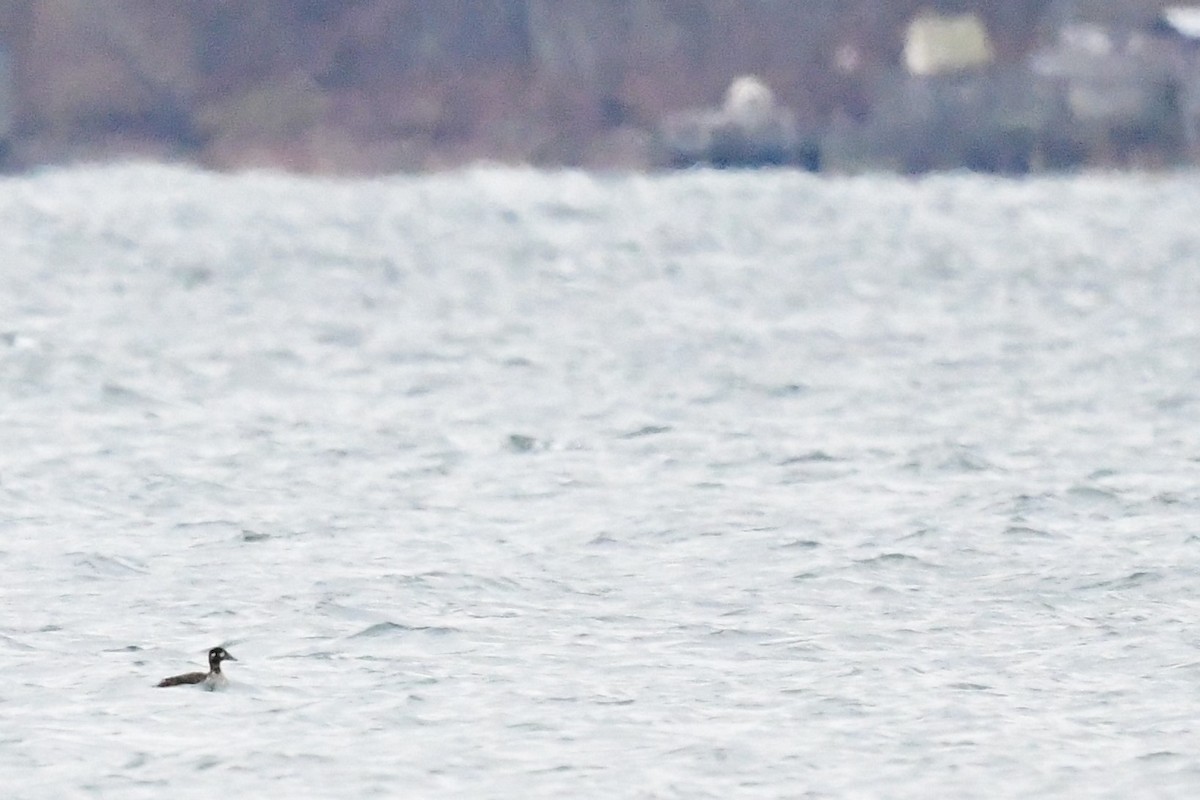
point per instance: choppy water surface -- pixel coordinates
(512, 484)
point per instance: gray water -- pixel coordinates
(510, 484)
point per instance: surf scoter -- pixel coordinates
(211, 679)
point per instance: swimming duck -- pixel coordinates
(212, 679)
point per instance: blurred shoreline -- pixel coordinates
(373, 86)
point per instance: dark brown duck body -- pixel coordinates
(212, 677)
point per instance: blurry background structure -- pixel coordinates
(364, 86)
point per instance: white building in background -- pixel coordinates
(940, 44)
(1128, 71)
(1185, 20)
(749, 129)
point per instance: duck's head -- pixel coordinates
(217, 655)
